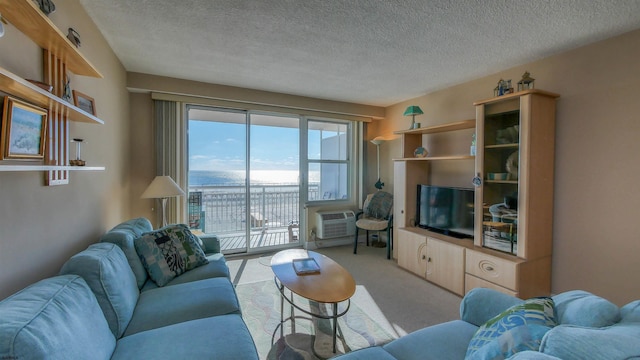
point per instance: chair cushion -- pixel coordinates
(518, 328)
(379, 206)
(105, 269)
(55, 318)
(124, 235)
(372, 224)
(169, 252)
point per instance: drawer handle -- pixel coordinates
(424, 257)
(429, 260)
(488, 267)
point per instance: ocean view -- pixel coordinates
(237, 177)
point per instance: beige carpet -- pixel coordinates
(391, 295)
(313, 337)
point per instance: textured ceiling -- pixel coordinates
(373, 52)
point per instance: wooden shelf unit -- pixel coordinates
(60, 56)
(460, 265)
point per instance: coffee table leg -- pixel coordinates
(293, 319)
(335, 323)
(281, 311)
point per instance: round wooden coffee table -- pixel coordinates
(332, 285)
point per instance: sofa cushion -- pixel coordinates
(570, 342)
(447, 341)
(578, 307)
(374, 352)
(189, 301)
(630, 312)
(56, 318)
(105, 269)
(217, 267)
(169, 252)
(481, 304)
(519, 328)
(220, 337)
(124, 235)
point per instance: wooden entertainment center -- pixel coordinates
(513, 207)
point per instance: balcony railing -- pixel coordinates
(223, 209)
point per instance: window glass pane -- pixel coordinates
(327, 140)
(328, 181)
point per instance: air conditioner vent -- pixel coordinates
(333, 224)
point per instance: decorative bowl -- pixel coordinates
(420, 152)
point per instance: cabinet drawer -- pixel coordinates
(493, 269)
(472, 282)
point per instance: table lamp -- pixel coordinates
(162, 187)
(413, 111)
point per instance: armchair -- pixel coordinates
(376, 215)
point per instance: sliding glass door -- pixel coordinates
(243, 178)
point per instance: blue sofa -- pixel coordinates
(589, 327)
(102, 306)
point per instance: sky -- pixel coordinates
(222, 146)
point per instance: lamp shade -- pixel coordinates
(412, 110)
(162, 187)
(377, 140)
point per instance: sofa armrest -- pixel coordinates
(481, 304)
(211, 244)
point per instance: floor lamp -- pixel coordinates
(162, 187)
(377, 141)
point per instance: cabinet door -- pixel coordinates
(445, 265)
(412, 252)
(399, 194)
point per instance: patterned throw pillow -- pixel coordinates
(168, 252)
(518, 328)
(379, 206)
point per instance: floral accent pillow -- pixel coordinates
(516, 329)
(169, 252)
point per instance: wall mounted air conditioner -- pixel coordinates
(333, 224)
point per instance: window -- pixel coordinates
(328, 160)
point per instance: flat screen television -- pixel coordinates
(446, 210)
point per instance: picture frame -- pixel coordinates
(24, 130)
(84, 102)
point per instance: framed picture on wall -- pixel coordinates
(24, 128)
(84, 102)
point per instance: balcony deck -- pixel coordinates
(270, 237)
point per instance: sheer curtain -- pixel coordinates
(169, 148)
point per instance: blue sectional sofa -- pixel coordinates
(588, 327)
(103, 306)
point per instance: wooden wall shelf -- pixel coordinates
(458, 125)
(438, 158)
(27, 17)
(18, 87)
(49, 168)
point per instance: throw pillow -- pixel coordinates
(379, 206)
(518, 328)
(168, 252)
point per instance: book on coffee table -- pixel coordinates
(306, 266)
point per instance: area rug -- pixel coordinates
(312, 339)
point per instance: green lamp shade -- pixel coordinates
(413, 110)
